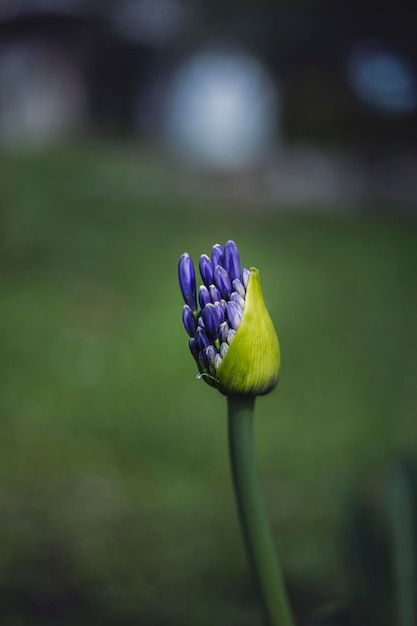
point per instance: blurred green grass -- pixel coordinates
(115, 497)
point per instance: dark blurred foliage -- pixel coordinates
(380, 545)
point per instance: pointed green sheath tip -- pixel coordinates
(251, 365)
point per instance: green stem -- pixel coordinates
(258, 541)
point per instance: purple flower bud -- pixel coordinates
(234, 314)
(217, 254)
(245, 277)
(217, 361)
(234, 297)
(230, 336)
(202, 361)
(186, 276)
(209, 354)
(232, 260)
(219, 312)
(214, 293)
(211, 320)
(206, 269)
(239, 288)
(203, 296)
(222, 280)
(193, 348)
(223, 330)
(201, 338)
(188, 320)
(223, 349)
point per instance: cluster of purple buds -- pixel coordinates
(212, 316)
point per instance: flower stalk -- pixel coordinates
(253, 520)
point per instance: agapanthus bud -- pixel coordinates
(245, 277)
(238, 300)
(217, 254)
(210, 320)
(220, 312)
(234, 314)
(201, 338)
(194, 349)
(204, 296)
(231, 333)
(223, 349)
(206, 269)
(186, 276)
(214, 293)
(232, 260)
(222, 280)
(233, 339)
(188, 320)
(209, 357)
(223, 330)
(238, 287)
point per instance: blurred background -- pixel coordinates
(133, 131)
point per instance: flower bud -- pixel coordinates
(186, 276)
(233, 340)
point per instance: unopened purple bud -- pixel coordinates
(219, 312)
(215, 293)
(223, 349)
(202, 361)
(223, 330)
(217, 361)
(222, 280)
(193, 348)
(224, 305)
(235, 297)
(211, 320)
(232, 259)
(245, 277)
(188, 320)
(206, 269)
(201, 338)
(239, 288)
(230, 336)
(203, 296)
(234, 314)
(186, 276)
(217, 254)
(209, 355)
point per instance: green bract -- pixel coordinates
(252, 363)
